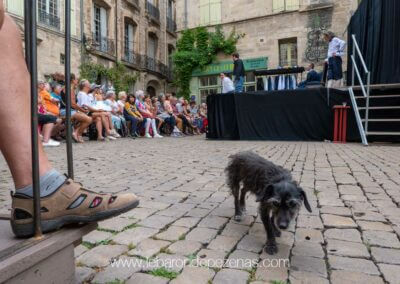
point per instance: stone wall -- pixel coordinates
(263, 28)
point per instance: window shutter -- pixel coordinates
(73, 18)
(130, 36)
(103, 19)
(151, 51)
(204, 12)
(15, 7)
(278, 5)
(292, 5)
(215, 11)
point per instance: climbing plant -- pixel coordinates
(121, 78)
(196, 49)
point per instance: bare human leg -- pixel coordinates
(16, 145)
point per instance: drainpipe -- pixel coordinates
(116, 31)
(82, 32)
(185, 23)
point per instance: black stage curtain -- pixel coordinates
(376, 24)
(293, 115)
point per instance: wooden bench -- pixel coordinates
(48, 260)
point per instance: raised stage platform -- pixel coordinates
(290, 115)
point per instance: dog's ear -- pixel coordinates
(306, 204)
(265, 193)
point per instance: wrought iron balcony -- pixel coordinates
(49, 20)
(103, 44)
(171, 25)
(134, 3)
(153, 11)
(131, 57)
(155, 66)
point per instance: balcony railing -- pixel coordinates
(171, 25)
(131, 57)
(103, 44)
(133, 2)
(153, 11)
(49, 20)
(155, 66)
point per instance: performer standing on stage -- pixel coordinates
(334, 60)
(238, 72)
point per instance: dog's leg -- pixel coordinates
(243, 201)
(271, 248)
(238, 213)
(277, 232)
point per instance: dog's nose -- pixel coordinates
(283, 226)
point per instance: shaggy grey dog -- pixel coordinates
(280, 197)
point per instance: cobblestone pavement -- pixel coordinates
(185, 214)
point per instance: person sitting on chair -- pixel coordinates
(313, 78)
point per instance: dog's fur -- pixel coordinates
(280, 197)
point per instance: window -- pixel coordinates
(285, 5)
(208, 85)
(15, 7)
(170, 11)
(152, 46)
(62, 59)
(100, 29)
(48, 13)
(288, 52)
(129, 36)
(210, 12)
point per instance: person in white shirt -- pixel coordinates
(227, 84)
(100, 118)
(335, 52)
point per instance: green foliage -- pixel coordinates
(121, 78)
(162, 272)
(196, 49)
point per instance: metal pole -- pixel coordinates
(30, 6)
(68, 86)
(354, 54)
(27, 25)
(367, 103)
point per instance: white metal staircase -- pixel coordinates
(371, 109)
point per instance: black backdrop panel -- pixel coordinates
(298, 115)
(376, 25)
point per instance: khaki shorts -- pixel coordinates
(335, 83)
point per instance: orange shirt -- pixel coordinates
(48, 104)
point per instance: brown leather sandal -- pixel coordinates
(71, 203)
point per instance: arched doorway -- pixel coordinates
(151, 91)
(153, 88)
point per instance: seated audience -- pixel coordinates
(100, 117)
(132, 114)
(177, 108)
(149, 118)
(79, 118)
(46, 121)
(117, 117)
(50, 104)
(150, 106)
(203, 115)
(194, 113)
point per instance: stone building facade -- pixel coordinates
(141, 34)
(138, 33)
(50, 34)
(282, 33)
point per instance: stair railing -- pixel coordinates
(365, 88)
